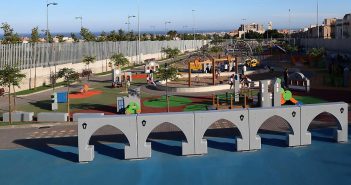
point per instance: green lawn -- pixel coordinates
(174, 101)
(309, 99)
(105, 101)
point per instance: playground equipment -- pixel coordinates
(84, 89)
(151, 66)
(133, 108)
(130, 104)
(252, 62)
(286, 96)
(56, 98)
(298, 81)
(193, 125)
(119, 77)
(278, 95)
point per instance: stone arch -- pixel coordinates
(88, 126)
(148, 122)
(203, 120)
(310, 112)
(258, 116)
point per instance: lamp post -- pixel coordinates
(153, 30)
(244, 28)
(47, 39)
(129, 38)
(289, 32)
(81, 21)
(167, 22)
(184, 28)
(139, 35)
(47, 18)
(193, 14)
(166, 71)
(317, 19)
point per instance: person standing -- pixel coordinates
(231, 81)
(286, 77)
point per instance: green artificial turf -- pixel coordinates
(196, 107)
(175, 101)
(309, 99)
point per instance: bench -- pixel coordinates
(52, 117)
(18, 116)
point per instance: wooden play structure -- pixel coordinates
(151, 66)
(206, 63)
(119, 78)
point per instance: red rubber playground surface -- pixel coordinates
(88, 94)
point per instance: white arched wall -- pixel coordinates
(257, 116)
(310, 112)
(87, 126)
(203, 120)
(148, 122)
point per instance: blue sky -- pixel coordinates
(107, 15)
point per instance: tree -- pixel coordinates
(11, 76)
(34, 35)
(216, 49)
(49, 38)
(259, 50)
(87, 60)
(87, 35)
(119, 60)
(167, 72)
(9, 36)
(273, 34)
(74, 37)
(34, 39)
(216, 40)
(172, 34)
(69, 76)
(171, 53)
(60, 38)
(252, 35)
(316, 52)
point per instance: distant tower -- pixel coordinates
(270, 25)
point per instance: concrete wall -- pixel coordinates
(137, 128)
(71, 57)
(334, 45)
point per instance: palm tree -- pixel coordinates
(11, 76)
(87, 60)
(70, 76)
(119, 60)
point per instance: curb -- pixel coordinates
(37, 125)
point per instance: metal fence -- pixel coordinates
(27, 56)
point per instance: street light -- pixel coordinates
(81, 21)
(166, 71)
(47, 18)
(139, 35)
(244, 27)
(289, 25)
(128, 23)
(167, 22)
(317, 19)
(193, 13)
(47, 35)
(129, 17)
(153, 30)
